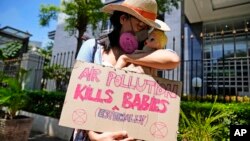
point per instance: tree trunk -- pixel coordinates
(79, 41)
(81, 27)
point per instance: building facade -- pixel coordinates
(218, 45)
(210, 36)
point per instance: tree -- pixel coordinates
(46, 53)
(1, 55)
(167, 5)
(11, 50)
(79, 13)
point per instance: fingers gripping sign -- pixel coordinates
(110, 136)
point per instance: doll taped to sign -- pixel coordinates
(157, 39)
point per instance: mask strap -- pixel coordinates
(131, 24)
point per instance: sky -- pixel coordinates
(23, 15)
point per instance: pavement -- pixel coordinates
(37, 136)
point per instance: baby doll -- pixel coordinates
(156, 40)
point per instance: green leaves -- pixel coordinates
(215, 118)
(46, 53)
(45, 103)
(47, 13)
(12, 96)
(200, 127)
(58, 73)
(11, 50)
(167, 5)
(1, 55)
(79, 14)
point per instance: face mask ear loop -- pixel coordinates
(131, 24)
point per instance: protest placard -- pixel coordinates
(105, 99)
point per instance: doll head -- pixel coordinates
(156, 39)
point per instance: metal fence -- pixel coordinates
(10, 67)
(219, 77)
(65, 59)
(229, 76)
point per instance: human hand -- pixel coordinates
(121, 62)
(109, 136)
(134, 68)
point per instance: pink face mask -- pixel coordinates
(128, 42)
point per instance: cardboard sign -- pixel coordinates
(104, 99)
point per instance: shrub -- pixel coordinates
(246, 99)
(200, 126)
(240, 113)
(12, 96)
(239, 98)
(233, 98)
(45, 103)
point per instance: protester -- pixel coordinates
(135, 17)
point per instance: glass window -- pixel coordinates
(213, 47)
(207, 48)
(217, 50)
(241, 47)
(228, 48)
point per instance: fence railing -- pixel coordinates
(10, 67)
(223, 77)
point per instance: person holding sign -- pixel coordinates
(131, 21)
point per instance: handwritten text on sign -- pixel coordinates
(98, 96)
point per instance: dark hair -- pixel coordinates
(115, 34)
